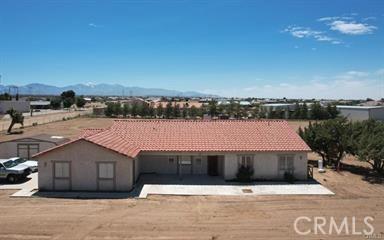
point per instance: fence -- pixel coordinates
(42, 119)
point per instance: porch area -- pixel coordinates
(204, 185)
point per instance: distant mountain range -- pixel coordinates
(100, 90)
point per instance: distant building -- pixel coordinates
(20, 106)
(25, 147)
(361, 113)
(284, 107)
(245, 103)
(40, 104)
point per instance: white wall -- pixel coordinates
(355, 114)
(157, 164)
(265, 166)
(9, 149)
(377, 114)
(84, 157)
(20, 106)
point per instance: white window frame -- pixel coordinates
(245, 160)
(61, 176)
(111, 165)
(286, 163)
(172, 159)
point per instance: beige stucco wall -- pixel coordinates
(265, 165)
(84, 157)
(159, 163)
(9, 149)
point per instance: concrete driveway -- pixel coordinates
(205, 186)
(26, 187)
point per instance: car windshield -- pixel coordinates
(10, 164)
(20, 160)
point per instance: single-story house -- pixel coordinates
(26, 147)
(361, 113)
(112, 159)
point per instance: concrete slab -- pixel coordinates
(26, 192)
(234, 190)
(195, 185)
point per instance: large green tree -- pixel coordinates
(330, 139)
(369, 140)
(68, 98)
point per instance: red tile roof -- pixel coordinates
(129, 137)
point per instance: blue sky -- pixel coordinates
(330, 49)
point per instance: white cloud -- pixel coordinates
(326, 19)
(349, 25)
(94, 25)
(306, 32)
(352, 27)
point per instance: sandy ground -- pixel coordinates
(180, 217)
(193, 217)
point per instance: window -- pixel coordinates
(185, 160)
(106, 170)
(198, 161)
(171, 160)
(245, 161)
(286, 163)
(61, 169)
(27, 150)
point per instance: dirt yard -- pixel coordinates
(167, 217)
(178, 217)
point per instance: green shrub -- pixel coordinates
(289, 177)
(244, 174)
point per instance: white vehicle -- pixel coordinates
(32, 164)
(12, 171)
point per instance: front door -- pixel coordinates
(213, 166)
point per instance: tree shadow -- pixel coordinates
(367, 174)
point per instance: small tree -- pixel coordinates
(176, 111)
(17, 117)
(332, 111)
(109, 110)
(160, 110)
(168, 110)
(297, 112)
(330, 139)
(144, 110)
(184, 112)
(135, 109)
(68, 98)
(56, 103)
(80, 102)
(212, 108)
(370, 144)
(151, 111)
(304, 111)
(125, 110)
(193, 112)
